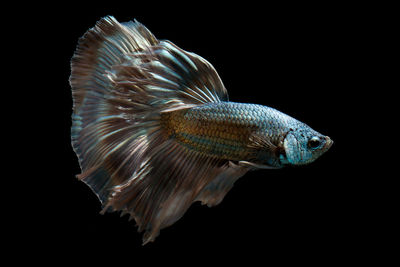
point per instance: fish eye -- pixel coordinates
(314, 142)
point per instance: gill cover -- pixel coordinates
(304, 146)
(296, 149)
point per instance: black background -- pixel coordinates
(306, 61)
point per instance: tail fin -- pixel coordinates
(122, 79)
(98, 126)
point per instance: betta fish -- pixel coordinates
(154, 131)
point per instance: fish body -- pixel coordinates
(224, 129)
(236, 131)
(154, 130)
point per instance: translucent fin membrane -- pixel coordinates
(122, 79)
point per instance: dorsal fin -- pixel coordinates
(101, 48)
(168, 77)
(122, 75)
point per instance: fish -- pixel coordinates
(154, 130)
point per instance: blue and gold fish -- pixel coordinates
(154, 131)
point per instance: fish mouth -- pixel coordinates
(328, 143)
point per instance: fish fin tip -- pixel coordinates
(98, 180)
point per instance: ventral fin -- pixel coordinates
(216, 190)
(256, 165)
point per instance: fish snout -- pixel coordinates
(328, 142)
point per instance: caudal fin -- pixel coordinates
(122, 80)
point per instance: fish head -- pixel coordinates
(303, 146)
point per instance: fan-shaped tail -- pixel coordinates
(122, 80)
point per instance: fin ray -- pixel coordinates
(164, 187)
(122, 80)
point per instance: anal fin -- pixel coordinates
(215, 191)
(161, 190)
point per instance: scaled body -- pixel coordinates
(225, 129)
(154, 130)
